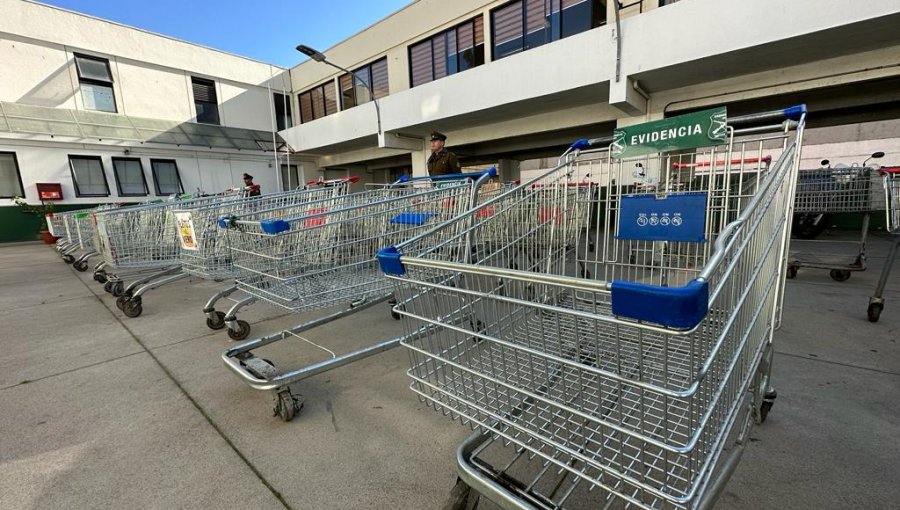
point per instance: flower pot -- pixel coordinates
(47, 237)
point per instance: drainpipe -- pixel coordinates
(616, 6)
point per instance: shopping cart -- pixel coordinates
(324, 256)
(891, 180)
(826, 191)
(205, 252)
(140, 243)
(62, 226)
(619, 375)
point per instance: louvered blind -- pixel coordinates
(204, 90)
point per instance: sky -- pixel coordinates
(266, 30)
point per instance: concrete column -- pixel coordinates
(420, 162)
(508, 170)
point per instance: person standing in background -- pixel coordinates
(441, 161)
(255, 189)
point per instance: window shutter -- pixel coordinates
(204, 90)
(420, 63)
(508, 23)
(380, 84)
(330, 98)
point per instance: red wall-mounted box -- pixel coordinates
(49, 191)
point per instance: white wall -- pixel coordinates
(211, 172)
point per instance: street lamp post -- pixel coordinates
(320, 57)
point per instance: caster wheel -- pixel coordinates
(243, 333)
(68, 259)
(287, 405)
(839, 275)
(118, 289)
(120, 302)
(460, 496)
(766, 406)
(791, 272)
(217, 323)
(133, 308)
(80, 266)
(108, 286)
(874, 311)
(394, 315)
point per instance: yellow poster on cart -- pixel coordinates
(185, 225)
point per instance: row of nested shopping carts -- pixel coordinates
(608, 342)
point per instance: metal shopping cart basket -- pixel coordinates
(323, 257)
(140, 242)
(625, 376)
(825, 191)
(204, 246)
(891, 182)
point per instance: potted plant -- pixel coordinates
(41, 211)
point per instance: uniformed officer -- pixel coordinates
(441, 161)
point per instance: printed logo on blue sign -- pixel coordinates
(673, 217)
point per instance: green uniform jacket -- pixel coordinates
(442, 163)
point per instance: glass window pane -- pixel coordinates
(577, 17)
(290, 177)
(9, 177)
(452, 53)
(420, 63)
(347, 99)
(93, 69)
(165, 174)
(130, 176)
(508, 29)
(318, 103)
(361, 81)
(380, 83)
(98, 97)
(207, 113)
(330, 98)
(306, 109)
(89, 178)
(282, 111)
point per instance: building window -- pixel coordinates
(666, 2)
(353, 88)
(282, 111)
(10, 179)
(524, 24)
(88, 176)
(205, 100)
(290, 177)
(451, 51)
(95, 81)
(165, 177)
(129, 175)
(318, 102)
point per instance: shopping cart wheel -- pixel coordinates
(133, 307)
(840, 275)
(792, 272)
(107, 286)
(874, 311)
(460, 497)
(80, 266)
(68, 258)
(120, 302)
(217, 323)
(244, 331)
(100, 276)
(766, 406)
(287, 405)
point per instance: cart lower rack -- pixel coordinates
(323, 255)
(825, 191)
(631, 367)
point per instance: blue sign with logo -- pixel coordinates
(672, 217)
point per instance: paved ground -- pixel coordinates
(101, 411)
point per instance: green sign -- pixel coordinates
(688, 131)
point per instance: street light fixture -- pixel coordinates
(318, 56)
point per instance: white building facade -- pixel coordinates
(513, 82)
(111, 113)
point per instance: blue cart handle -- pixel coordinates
(492, 172)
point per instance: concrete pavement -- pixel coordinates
(101, 411)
